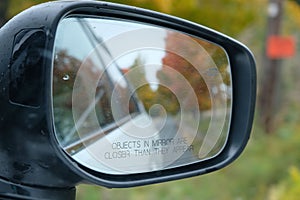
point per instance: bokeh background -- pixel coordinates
(269, 168)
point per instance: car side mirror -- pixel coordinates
(117, 96)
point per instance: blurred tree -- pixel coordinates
(271, 75)
(282, 15)
(297, 1)
(3, 11)
(137, 78)
(288, 188)
(16, 6)
(228, 16)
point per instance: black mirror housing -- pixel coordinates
(30, 155)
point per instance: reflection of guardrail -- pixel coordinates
(93, 137)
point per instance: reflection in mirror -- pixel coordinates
(131, 98)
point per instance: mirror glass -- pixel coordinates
(130, 97)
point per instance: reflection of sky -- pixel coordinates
(71, 38)
(75, 41)
(152, 57)
(152, 61)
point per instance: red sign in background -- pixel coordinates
(279, 47)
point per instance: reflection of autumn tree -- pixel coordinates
(73, 78)
(180, 63)
(123, 102)
(136, 76)
(219, 57)
(69, 82)
(78, 85)
(180, 79)
(168, 99)
(64, 74)
(148, 95)
(66, 71)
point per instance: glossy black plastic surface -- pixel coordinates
(26, 67)
(29, 152)
(10, 191)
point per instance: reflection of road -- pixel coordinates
(134, 149)
(118, 151)
(186, 133)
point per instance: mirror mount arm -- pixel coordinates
(9, 190)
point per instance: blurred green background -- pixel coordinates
(269, 168)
